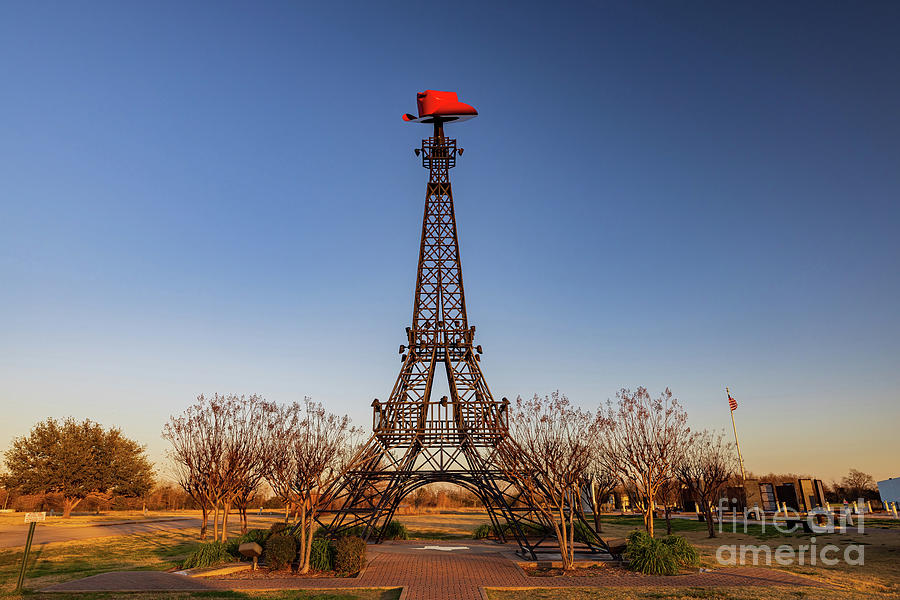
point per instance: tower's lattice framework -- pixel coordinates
(416, 439)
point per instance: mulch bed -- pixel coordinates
(264, 573)
(587, 571)
(576, 572)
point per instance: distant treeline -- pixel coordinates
(170, 497)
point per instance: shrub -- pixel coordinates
(356, 530)
(255, 535)
(529, 529)
(682, 551)
(395, 530)
(208, 554)
(649, 556)
(349, 555)
(321, 555)
(487, 530)
(278, 527)
(483, 531)
(280, 551)
(322, 532)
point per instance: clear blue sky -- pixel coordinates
(210, 196)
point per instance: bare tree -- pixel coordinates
(189, 477)
(245, 422)
(309, 450)
(857, 484)
(246, 495)
(636, 501)
(218, 448)
(546, 455)
(706, 467)
(193, 452)
(644, 437)
(598, 482)
(280, 466)
(667, 497)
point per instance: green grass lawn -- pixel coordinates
(878, 578)
(80, 519)
(435, 534)
(286, 595)
(681, 525)
(55, 563)
(731, 593)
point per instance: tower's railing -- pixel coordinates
(482, 423)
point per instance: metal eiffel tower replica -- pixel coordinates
(416, 439)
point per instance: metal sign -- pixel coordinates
(32, 519)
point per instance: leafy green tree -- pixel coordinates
(77, 460)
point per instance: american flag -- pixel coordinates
(731, 401)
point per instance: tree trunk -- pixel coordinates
(707, 512)
(649, 518)
(304, 540)
(309, 538)
(216, 521)
(226, 508)
(598, 526)
(563, 533)
(595, 505)
(69, 505)
(576, 497)
(668, 521)
(204, 524)
(561, 542)
(243, 511)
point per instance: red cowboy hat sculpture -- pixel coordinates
(440, 106)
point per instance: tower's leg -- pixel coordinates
(367, 492)
(497, 501)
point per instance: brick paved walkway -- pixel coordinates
(433, 575)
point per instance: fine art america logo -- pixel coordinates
(818, 521)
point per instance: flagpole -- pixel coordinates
(736, 442)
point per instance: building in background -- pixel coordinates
(801, 495)
(890, 491)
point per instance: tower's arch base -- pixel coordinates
(382, 476)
